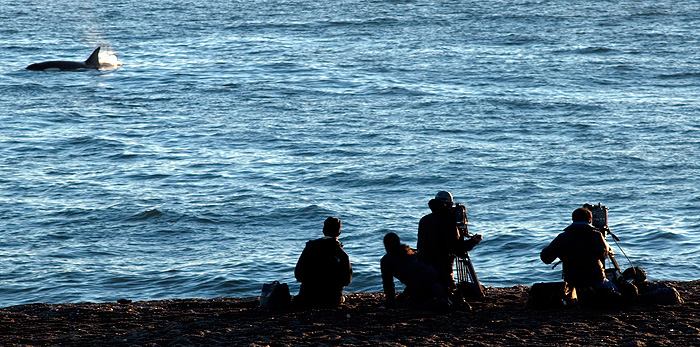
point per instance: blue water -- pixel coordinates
(232, 129)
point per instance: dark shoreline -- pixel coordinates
(496, 320)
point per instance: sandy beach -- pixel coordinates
(497, 320)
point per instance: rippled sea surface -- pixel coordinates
(232, 129)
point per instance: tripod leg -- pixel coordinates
(471, 274)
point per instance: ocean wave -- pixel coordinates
(594, 50)
(145, 215)
(681, 75)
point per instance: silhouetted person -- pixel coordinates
(439, 241)
(421, 280)
(582, 250)
(323, 269)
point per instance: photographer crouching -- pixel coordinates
(583, 250)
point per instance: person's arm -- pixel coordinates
(349, 273)
(551, 252)
(388, 283)
(346, 268)
(605, 247)
(300, 271)
(422, 230)
(468, 244)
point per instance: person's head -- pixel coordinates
(393, 245)
(331, 227)
(391, 240)
(444, 197)
(582, 214)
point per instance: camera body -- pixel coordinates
(461, 219)
(600, 217)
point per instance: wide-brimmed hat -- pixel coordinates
(444, 196)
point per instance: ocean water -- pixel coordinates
(201, 165)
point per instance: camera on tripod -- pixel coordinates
(600, 217)
(600, 222)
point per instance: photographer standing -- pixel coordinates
(582, 250)
(439, 240)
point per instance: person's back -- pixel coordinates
(401, 262)
(582, 250)
(437, 234)
(406, 268)
(438, 238)
(323, 269)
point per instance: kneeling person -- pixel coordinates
(582, 250)
(421, 280)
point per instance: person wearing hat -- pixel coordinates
(323, 269)
(439, 241)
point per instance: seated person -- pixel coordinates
(323, 269)
(421, 280)
(582, 250)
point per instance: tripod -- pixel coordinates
(615, 274)
(467, 281)
(600, 221)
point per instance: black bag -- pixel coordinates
(661, 294)
(552, 295)
(275, 296)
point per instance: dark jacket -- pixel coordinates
(418, 277)
(582, 250)
(324, 270)
(438, 236)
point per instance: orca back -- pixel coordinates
(93, 62)
(58, 65)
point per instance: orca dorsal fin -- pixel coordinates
(94, 59)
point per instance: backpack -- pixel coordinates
(275, 296)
